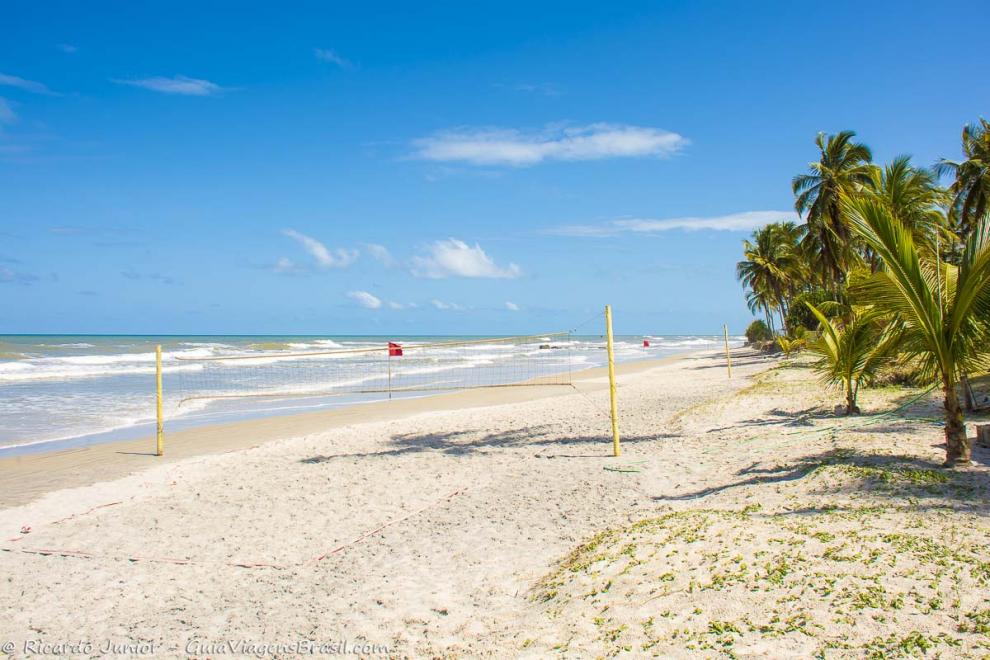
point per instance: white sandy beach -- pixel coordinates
(449, 533)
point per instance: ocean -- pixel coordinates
(64, 391)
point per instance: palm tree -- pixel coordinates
(759, 302)
(971, 189)
(794, 261)
(770, 267)
(789, 346)
(913, 195)
(941, 308)
(842, 170)
(851, 353)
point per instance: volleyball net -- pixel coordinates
(233, 379)
(387, 369)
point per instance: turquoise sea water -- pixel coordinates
(58, 391)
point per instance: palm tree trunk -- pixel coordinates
(967, 390)
(851, 407)
(957, 446)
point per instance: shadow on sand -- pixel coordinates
(905, 409)
(460, 443)
(925, 483)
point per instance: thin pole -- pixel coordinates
(389, 359)
(728, 358)
(611, 381)
(158, 400)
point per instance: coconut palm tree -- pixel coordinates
(794, 261)
(913, 195)
(851, 353)
(942, 309)
(971, 189)
(770, 268)
(843, 169)
(759, 302)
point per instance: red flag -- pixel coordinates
(646, 343)
(394, 350)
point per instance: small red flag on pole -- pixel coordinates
(394, 350)
(646, 343)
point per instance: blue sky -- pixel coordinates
(436, 167)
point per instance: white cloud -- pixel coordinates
(325, 257)
(439, 304)
(744, 221)
(397, 305)
(452, 257)
(67, 48)
(7, 114)
(495, 146)
(285, 265)
(174, 85)
(543, 88)
(8, 276)
(380, 253)
(331, 56)
(365, 299)
(26, 85)
(511, 306)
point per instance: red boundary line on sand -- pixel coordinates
(74, 515)
(80, 554)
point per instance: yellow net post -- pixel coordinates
(160, 435)
(611, 381)
(728, 358)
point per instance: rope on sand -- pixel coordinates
(27, 529)
(388, 524)
(862, 422)
(635, 466)
(80, 554)
(868, 420)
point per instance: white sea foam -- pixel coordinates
(92, 366)
(69, 345)
(52, 396)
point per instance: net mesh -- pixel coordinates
(408, 367)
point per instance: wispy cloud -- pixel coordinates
(511, 306)
(69, 49)
(285, 266)
(455, 258)
(69, 230)
(446, 306)
(324, 256)
(181, 85)
(132, 274)
(380, 253)
(744, 221)
(331, 56)
(543, 88)
(32, 86)
(365, 299)
(397, 305)
(106, 236)
(495, 146)
(11, 276)
(7, 114)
